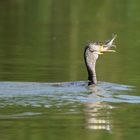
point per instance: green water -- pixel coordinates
(42, 42)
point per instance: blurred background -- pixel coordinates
(43, 40)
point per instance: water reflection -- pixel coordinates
(98, 116)
(61, 107)
(97, 100)
(98, 107)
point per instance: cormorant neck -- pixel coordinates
(92, 79)
(90, 61)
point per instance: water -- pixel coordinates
(46, 110)
(43, 88)
(48, 94)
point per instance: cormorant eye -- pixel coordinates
(91, 49)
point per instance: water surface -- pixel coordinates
(69, 108)
(43, 93)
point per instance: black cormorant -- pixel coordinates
(91, 53)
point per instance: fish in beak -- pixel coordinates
(106, 47)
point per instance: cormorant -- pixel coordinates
(92, 50)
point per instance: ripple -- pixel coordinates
(19, 115)
(59, 94)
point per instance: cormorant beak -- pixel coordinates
(103, 49)
(106, 47)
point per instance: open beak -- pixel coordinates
(106, 47)
(103, 50)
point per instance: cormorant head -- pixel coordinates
(92, 51)
(98, 48)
